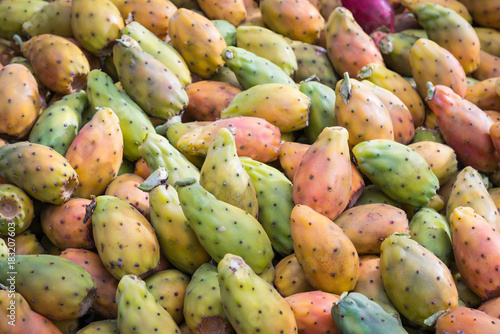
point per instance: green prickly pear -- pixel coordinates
(349, 47)
(289, 278)
(252, 70)
(124, 238)
(252, 304)
(313, 60)
(399, 171)
(176, 129)
(96, 24)
(275, 201)
(432, 63)
(134, 123)
(281, 105)
(417, 282)
(454, 114)
(27, 244)
(169, 288)
(138, 309)
(58, 124)
(224, 176)
(441, 158)
(162, 94)
(198, 41)
(373, 194)
(322, 108)
(267, 44)
(96, 153)
(54, 18)
(450, 30)
(466, 295)
(361, 112)
(47, 175)
(227, 30)
(222, 227)
(395, 49)
(427, 134)
(4, 249)
(355, 313)
(162, 51)
(157, 151)
(327, 256)
(477, 252)
(13, 13)
(21, 106)
(432, 231)
(324, 177)
(203, 310)
(178, 242)
(54, 287)
(101, 327)
(296, 19)
(16, 210)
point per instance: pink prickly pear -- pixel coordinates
(323, 178)
(464, 127)
(371, 15)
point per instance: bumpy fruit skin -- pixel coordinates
(232, 11)
(47, 175)
(21, 101)
(368, 225)
(162, 94)
(399, 171)
(96, 24)
(464, 127)
(223, 228)
(254, 137)
(281, 105)
(130, 246)
(26, 320)
(138, 308)
(54, 18)
(105, 297)
(134, 123)
(16, 210)
(162, 51)
(349, 47)
(323, 179)
(14, 13)
(54, 287)
(289, 278)
(59, 64)
(467, 320)
(327, 256)
(312, 312)
(224, 176)
(203, 310)
(355, 313)
(262, 309)
(476, 250)
(416, 281)
(194, 37)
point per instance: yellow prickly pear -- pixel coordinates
(441, 158)
(54, 18)
(485, 12)
(325, 253)
(289, 278)
(323, 179)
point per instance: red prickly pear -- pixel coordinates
(476, 245)
(464, 127)
(371, 15)
(323, 178)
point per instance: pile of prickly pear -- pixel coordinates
(246, 166)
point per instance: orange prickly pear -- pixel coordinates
(361, 112)
(58, 63)
(21, 101)
(491, 307)
(395, 83)
(291, 154)
(289, 278)
(232, 11)
(96, 153)
(312, 312)
(431, 62)
(104, 302)
(198, 41)
(466, 320)
(327, 256)
(489, 67)
(323, 179)
(451, 31)
(349, 47)
(476, 246)
(96, 24)
(485, 13)
(489, 39)
(283, 17)
(485, 94)
(368, 225)
(464, 127)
